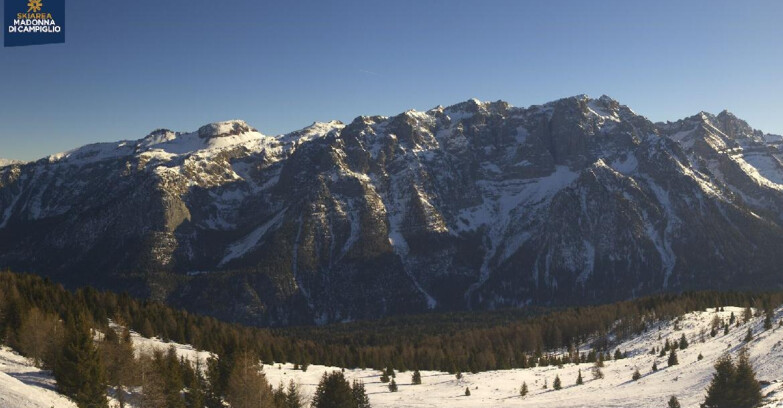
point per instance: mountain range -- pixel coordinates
(479, 205)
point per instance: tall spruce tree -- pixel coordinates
(733, 386)
(673, 358)
(747, 389)
(293, 396)
(78, 369)
(720, 393)
(333, 392)
(360, 397)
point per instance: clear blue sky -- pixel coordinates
(128, 67)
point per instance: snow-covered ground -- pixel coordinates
(687, 381)
(22, 385)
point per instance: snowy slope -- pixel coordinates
(688, 381)
(8, 162)
(22, 385)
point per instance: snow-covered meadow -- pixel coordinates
(22, 385)
(687, 381)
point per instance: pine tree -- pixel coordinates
(333, 392)
(725, 329)
(673, 358)
(197, 386)
(655, 366)
(416, 377)
(467, 391)
(700, 357)
(360, 395)
(118, 361)
(557, 384)
(683, 342)
(579, 380)
(78, 370)
(153, 392)
(523, 389)
(746, 388)
(673, 403)
(384, 377)
(173, 382)
(720, 392)
(749, 336)
(459, 375)
(732, 318)
(767, 321)
(293, 396)
(393, 386)
(636, 375)
(278, 396)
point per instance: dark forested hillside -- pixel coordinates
(450, 342)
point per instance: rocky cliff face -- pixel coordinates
(478, 205)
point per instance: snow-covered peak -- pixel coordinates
(8, 162)
(314, 131)
(222, 129)
(166, 144)
(95, 152)
(605, 108)
(158, 136)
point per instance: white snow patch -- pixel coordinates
(250, 241)
(23, 385)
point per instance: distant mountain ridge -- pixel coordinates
(476, 205)
(8, 162)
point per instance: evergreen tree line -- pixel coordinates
(447, 342)
(33, 318)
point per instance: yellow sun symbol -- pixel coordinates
(35, 5)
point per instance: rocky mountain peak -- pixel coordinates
(8, 162)
(158, 136)
(222, 129)
(477, 205)
(733, 126)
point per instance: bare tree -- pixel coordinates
(247, 385)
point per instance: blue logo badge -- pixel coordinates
(32, 22)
